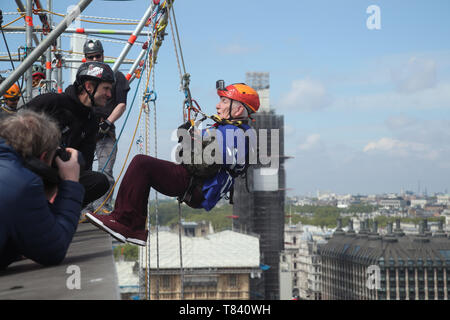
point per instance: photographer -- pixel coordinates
(30, 225)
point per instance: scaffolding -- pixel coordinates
(49, 51)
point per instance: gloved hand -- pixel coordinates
(105, 126)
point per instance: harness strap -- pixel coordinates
(187, 196)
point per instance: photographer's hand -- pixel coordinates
(70, 169)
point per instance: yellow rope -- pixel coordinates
(135, 130)
(21, 16)
(123, 167)
(8, 111)
(82, 54)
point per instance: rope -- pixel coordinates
(156, 194)
(5, 25)
(181, 252)
(126, 119)
(89, 21)
(118, 138)
(86, 16)
(110, 18)
(82, 54)
(102, 38)
(6, 110)
(180, 244)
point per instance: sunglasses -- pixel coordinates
(12, 99)
(96, 56)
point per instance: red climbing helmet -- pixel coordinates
(239, 92)
(38, 71)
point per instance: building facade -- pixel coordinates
(215, 266)
(395, 266)
(302, 260)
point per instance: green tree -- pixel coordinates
(129, 252)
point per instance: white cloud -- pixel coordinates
(437, 97)
(306, 95)
(311, 141)
(415, 75)
(401, 148)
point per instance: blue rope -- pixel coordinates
(128, 114)
(156, 15)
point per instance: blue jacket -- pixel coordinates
(233, 154)
(29, 224)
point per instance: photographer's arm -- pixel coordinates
(45, 233)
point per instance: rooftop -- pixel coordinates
(90, 256)
(395, 247)
(226, 249)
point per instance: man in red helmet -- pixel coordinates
(198, 185)
(38, 84)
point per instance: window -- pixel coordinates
(391, 262)
(166, 282)
(232, 281)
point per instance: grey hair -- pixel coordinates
(236, 104)
(30, 133)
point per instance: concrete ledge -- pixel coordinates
(90, 256)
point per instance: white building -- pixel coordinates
(415, 203)
(301, 260)
(392, 203)
(128, 276)
(443, 199)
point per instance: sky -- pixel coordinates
(364, 86)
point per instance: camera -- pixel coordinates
(220, 85)
(65, 156)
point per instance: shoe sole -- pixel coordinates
(100, 225)
(137, 242)
(114, 234)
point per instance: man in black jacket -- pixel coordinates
(73, 110)
(106, 149)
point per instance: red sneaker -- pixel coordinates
(118, 230)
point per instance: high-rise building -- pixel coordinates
(259, 198)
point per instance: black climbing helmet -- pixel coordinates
(91, 46)
(94, 70)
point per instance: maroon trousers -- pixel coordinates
(144, 173)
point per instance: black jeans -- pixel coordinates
(95, 184)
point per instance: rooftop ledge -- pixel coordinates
(87, 273)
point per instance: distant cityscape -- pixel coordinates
(411, 261)
(405, 204)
